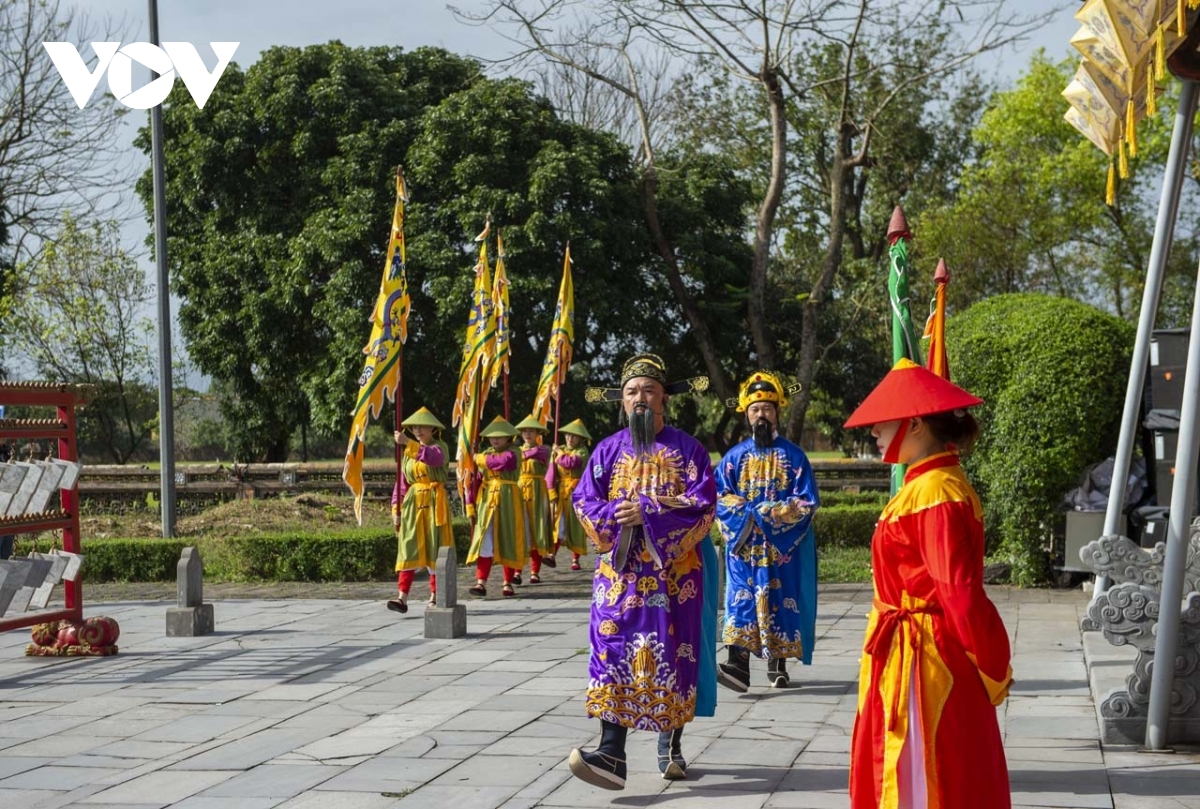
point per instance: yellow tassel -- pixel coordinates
(1160, 55)
(1180, 19)
(1122, 162)
(1130, 129)
(1110, 191)
(1151, 102)
(1193, 3)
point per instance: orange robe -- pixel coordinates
(933, 638)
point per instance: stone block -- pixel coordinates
(74, 564)
(17, 589)
(58, 566)
(11, 476)
(189, 578)
(190, 622)
(192, 617)
(24, 492)
(47, 486)
(446, 622)
(12, 576)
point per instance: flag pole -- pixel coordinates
(558, 398)
(399, 395)
(559, 372)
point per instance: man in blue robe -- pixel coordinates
(766, 498)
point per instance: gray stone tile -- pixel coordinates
(26, 798)
(169, 786)
(64, 778)
(274, 781)
(333, 800)
(58, 745)
(440, 797)
(491, 720)
(744, 751)
(202, 802)
(193, 729)
(250, 751)
(10, 766)
(488, 771)
(388, 775)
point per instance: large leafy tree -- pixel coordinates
(278, 194)
(798, 96)
(279, 200)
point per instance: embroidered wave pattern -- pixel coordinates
(640, 690)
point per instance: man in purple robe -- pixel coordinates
(646, 501)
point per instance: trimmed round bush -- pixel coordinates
(1052, 372)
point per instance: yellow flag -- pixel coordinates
(558, 351)
(479, 352)
(389, 329)
(500, 304)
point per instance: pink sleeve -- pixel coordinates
(396, 493)
(568, 461)
(501, 461)
(430, 455)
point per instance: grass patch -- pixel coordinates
(840, 565)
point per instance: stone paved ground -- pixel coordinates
(340, 703)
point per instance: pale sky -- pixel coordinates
(260, 24)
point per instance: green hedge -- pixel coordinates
(876, 500)
(354, 555)
(846, 526)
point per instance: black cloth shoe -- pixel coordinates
(777, 673)
(477, 590)
(516, 578)
(735, 673)
(549, 561)
(598, 768)
(396, 605)
(670, 757)
(604, 767)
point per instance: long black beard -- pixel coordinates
(641, 430)
(764, 433)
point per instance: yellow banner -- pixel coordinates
(560, 347)
(389, 329)
(479, 353)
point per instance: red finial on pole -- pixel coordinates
(941, 275)
(898, 227)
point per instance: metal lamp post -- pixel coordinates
(166, 415)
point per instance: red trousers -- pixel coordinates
(404, 581)
(483, 569)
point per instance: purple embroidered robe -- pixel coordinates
(647, 597)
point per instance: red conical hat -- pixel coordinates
(908, 391)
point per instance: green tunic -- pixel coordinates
(425, 510)
(501, 509)
(537, 501)
(569, 531)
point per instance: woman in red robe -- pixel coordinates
(936, 656)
